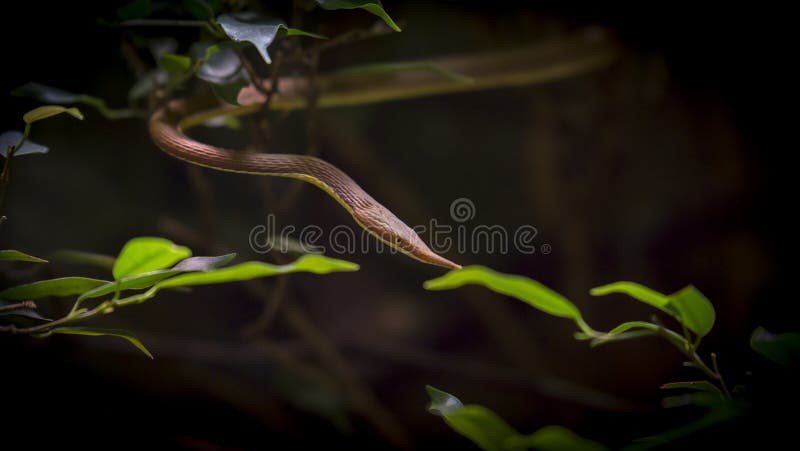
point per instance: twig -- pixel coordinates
(719, 375)
(48, 327)
(18, 306)
(352, 36)
(163, 23)
(271, 307)
(362, 399)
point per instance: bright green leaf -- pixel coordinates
(12, 255)
(43, 112)
(316, 264)
(83, 258)
(522, 288)
(704, 386)
(135, 10)
(632, 325)
(135, 282)
(148, 279)
(688, 305)
(298, 32)
(175, 63)
(693, 310)
(555, 438)
(145, 254)
(93, 332)
(629, 330)
(64, 286)
(636, 291)
(372, 6)
(260, 32)
(783, 349)
(479, 424)
(12, 138)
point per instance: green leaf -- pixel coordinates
(43, 112)
(555, 438)
(704, 386)
(64, 286)
(633, 325)
(442, 403)
(46, 94)
(83, 258)
(636, 291)
(222, 68)
(135, 10)
(783, 349)
(477, 423)
(628, 330)
(316, 264)
(522, 288)
(136, 282)
(222, 64)
(260, 32)
(12, 138)
(145, 254)
(688, 305)
(372, 6)
(148, 279)
(103, 332)
(12, 255)
(175, 63)
(693, 310)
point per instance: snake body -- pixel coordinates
(365, 210)
(578, 53)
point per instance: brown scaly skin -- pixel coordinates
(367, 212)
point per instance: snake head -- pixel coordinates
(389, 229)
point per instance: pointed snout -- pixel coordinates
(438, 260)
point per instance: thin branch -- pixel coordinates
(271, 307)
(719, 374)
(352, 36)
(163, 23)
(18, 306)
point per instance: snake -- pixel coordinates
(167, 125)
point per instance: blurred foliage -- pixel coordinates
(692, 310)
(492, 433)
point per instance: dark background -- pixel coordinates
(668, 167)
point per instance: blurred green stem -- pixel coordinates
(682, 343)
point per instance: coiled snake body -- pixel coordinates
(367, 212)
(574, 54)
